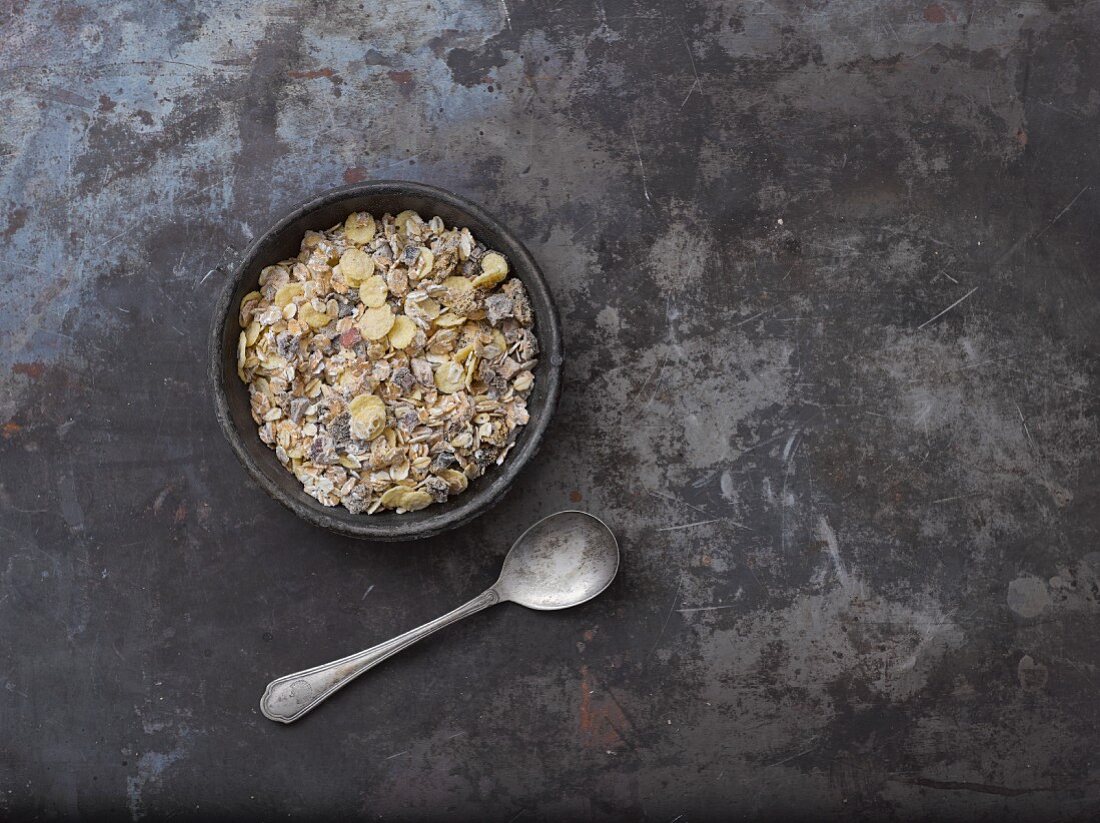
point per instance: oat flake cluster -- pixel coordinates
(389, 363)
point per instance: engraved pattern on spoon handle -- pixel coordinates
(291, 696)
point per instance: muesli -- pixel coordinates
(390, 362)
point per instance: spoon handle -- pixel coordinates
(291, 696)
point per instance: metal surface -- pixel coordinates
(860, 573)
(231, 399)
(562, 561)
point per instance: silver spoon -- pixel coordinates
(561, 561)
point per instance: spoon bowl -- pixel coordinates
(561, 561)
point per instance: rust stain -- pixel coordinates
(589, 634)
(1021, 137)
(575, 496)
(935, 13)
(401, 78)
(586, 719)
(10, 429)
(32, 370)
(600, 717)
(311, 75)
(356, 174)
(181, 512)
(68, 15)
(17, 218)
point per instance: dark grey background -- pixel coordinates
(860, 548)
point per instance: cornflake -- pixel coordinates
(389, 363)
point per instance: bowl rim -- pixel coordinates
(550, 344)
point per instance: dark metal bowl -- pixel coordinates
(282, 241)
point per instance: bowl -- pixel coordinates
(282, 241)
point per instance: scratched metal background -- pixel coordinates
(861, 568)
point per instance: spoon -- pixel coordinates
(561, 561)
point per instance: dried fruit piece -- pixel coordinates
(449, 377)
(523, 381)
(461, 355)
(449, 320)
(356, 266)
(458, 284)
(425, 262)
(403, 332)
(414, 500)
(456, 481)
(269, 273)
(498, 307)
(465, 244)
(429, 308)
(376, 322)
(287, 293)
(248, 304)
(313, 318)
(400, 471)
(374, 291)
(422, 371)
(359, 228)
(402, 497)
(401, 221)
(391, 498)
(494, 268)
(365, 401)
(368, 416)
(397, 279)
